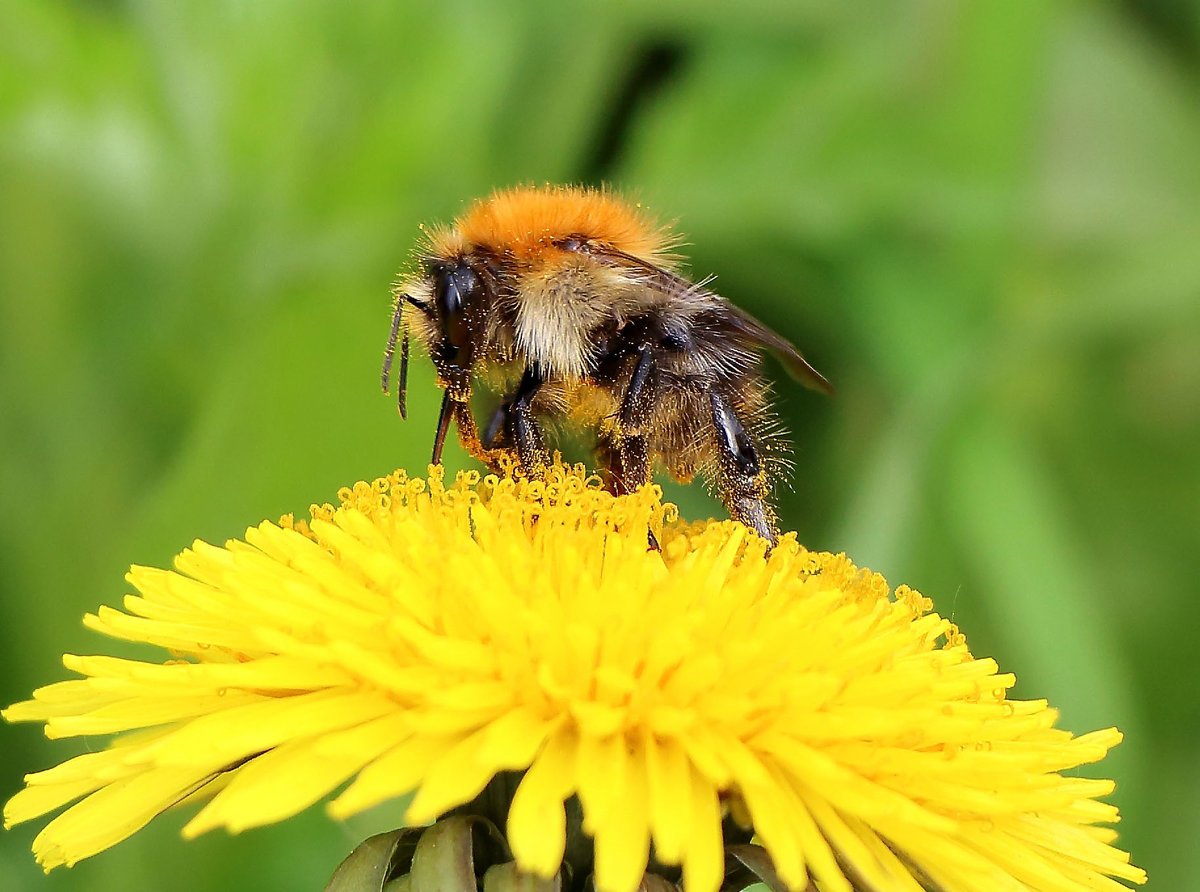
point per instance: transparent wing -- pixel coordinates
(741, 324)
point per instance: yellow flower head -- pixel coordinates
(421, 638)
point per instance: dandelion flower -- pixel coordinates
(430, 639)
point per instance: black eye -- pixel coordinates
(456, 288)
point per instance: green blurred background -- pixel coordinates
(980, 220)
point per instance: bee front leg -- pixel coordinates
(741, 477)
(522, 427)
(496, 425)
(468, 437)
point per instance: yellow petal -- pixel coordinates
(112, 814)
(536, 820)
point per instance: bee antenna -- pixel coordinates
(402, 383)
(390, 351)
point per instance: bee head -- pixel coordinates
(458, 305)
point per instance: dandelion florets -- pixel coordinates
(423, 638)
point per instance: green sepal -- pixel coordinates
(376, 860)
(755, 860)
(508, 878)
(445, 856)
(652, 882)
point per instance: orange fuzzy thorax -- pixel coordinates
(527, 220)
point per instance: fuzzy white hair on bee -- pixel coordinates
(575, 300)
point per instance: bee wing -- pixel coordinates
(781, 348)
(744, 326)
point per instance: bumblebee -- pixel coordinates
(572, 305)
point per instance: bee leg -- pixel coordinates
(632, 453)
(468, 436)
(633, 465)
(624, 462)
(616, 458)
(495, 426)
(523, 428)
(631, 403)
(741, 477)
(633, 456)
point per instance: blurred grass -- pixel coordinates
(981, 220)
